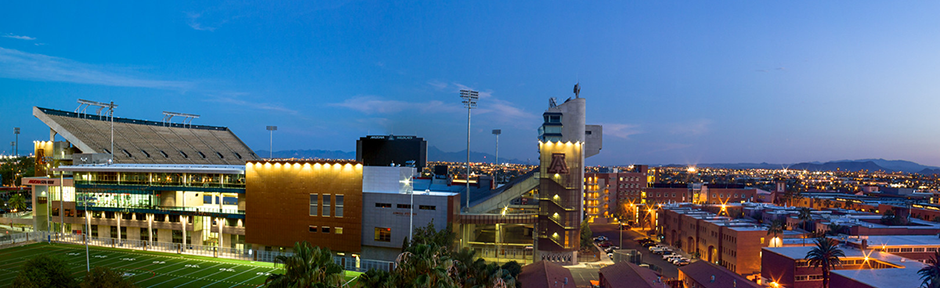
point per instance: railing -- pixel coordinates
(349, 263)
(562, 225)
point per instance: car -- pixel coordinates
(610, 255)
(615, 247)
(675, 260)
(683, 262)
(604, 244)
(668, 256)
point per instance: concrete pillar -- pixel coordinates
(150, 229)
(183, 220)
(119, 216)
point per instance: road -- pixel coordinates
(610, 231)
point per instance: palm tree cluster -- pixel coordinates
(308, 267)
(428, 260)
(931, 273)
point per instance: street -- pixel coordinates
(629, 242)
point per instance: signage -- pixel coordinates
(42, 182)
(558, 165)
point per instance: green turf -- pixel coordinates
(150, 269)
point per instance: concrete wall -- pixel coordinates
(397, 218)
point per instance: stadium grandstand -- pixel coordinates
(147, 142)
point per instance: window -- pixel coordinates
(184, 154)
(383, 205)
(313, 204)
(312, 228)
(326, 205)
(404, 206)
(200, 154)
(427, 207)
(338, 230)
(325, 229)
(127, 153)
(164, 154)
(94, 231)
(339, 206)
(145, 153)
(383, 234)
(239, 156)
(220, 155)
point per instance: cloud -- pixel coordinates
(377, 105)
(20, 37)
(192, 19)
(437, 84)
(621, 130)
(15, 64)
(233, 99)
(695, 127)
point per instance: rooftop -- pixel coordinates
(906, 276)
(157, 168)
(711, 275)
(896, 240)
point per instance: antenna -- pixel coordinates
(577, 90)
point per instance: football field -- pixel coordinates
(146, 269)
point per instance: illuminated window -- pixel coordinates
(383, 205)
(313, 204)
(339, 207)
(338, 230)
(326, 205)
(383, 234)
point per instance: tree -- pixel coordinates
(805, 216)
(102, 277)
(425, 266)
(776, 227)
(834, 229)
(374, 279)
(428, 235)
(826, 254)
(586, 235)
(307, 267)
(17, 202)
(891, 218)
(45, 271)
(931, 272)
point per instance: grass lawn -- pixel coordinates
(147, 269)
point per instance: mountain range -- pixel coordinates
(843, 165)
(434, 154)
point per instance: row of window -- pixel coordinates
(808, 277)
(405, 206)
(165, 155)
(629, 185)
(336, 205)
(325, 229)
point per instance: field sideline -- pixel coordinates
(147, 269)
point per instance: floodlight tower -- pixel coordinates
(470, 98)
(272, 129)
(16, 148)
(497, 132)
(101, 106)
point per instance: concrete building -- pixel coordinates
(385, 150)
(701, 274)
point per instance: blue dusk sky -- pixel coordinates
(671, 81)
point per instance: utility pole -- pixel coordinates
(470, 98)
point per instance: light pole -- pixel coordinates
(272, 129)
(497, 132)
(470, 98)
(16, 147)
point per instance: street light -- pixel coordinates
(272, 129)
(470, 98)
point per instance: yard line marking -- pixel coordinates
(174, 277)
(252, 278)
(243, 272)
(203, 277)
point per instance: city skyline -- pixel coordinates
(672, 83)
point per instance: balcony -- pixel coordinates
(172, 210)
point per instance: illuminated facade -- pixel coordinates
(293, 201)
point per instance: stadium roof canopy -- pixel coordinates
(142, 141)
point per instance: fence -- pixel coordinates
(348, 262)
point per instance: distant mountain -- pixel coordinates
(434, 154)
(843, 165)
(309, 154)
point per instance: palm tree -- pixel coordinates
(825, 254)
(17, 202)
(804, 216)
(425, 266)
(776, 227)
(834, 229)
(374, 279)
(307, 267)
(931, 272)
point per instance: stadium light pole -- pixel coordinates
(272, 129)
(16, 148)
(497, 132)
(470, 98)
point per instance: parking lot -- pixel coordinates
(629, 242)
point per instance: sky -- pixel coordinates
(672, 82)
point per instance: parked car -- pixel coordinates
(675, 260)
(683, 262)
(669, 256)
(610, 255)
